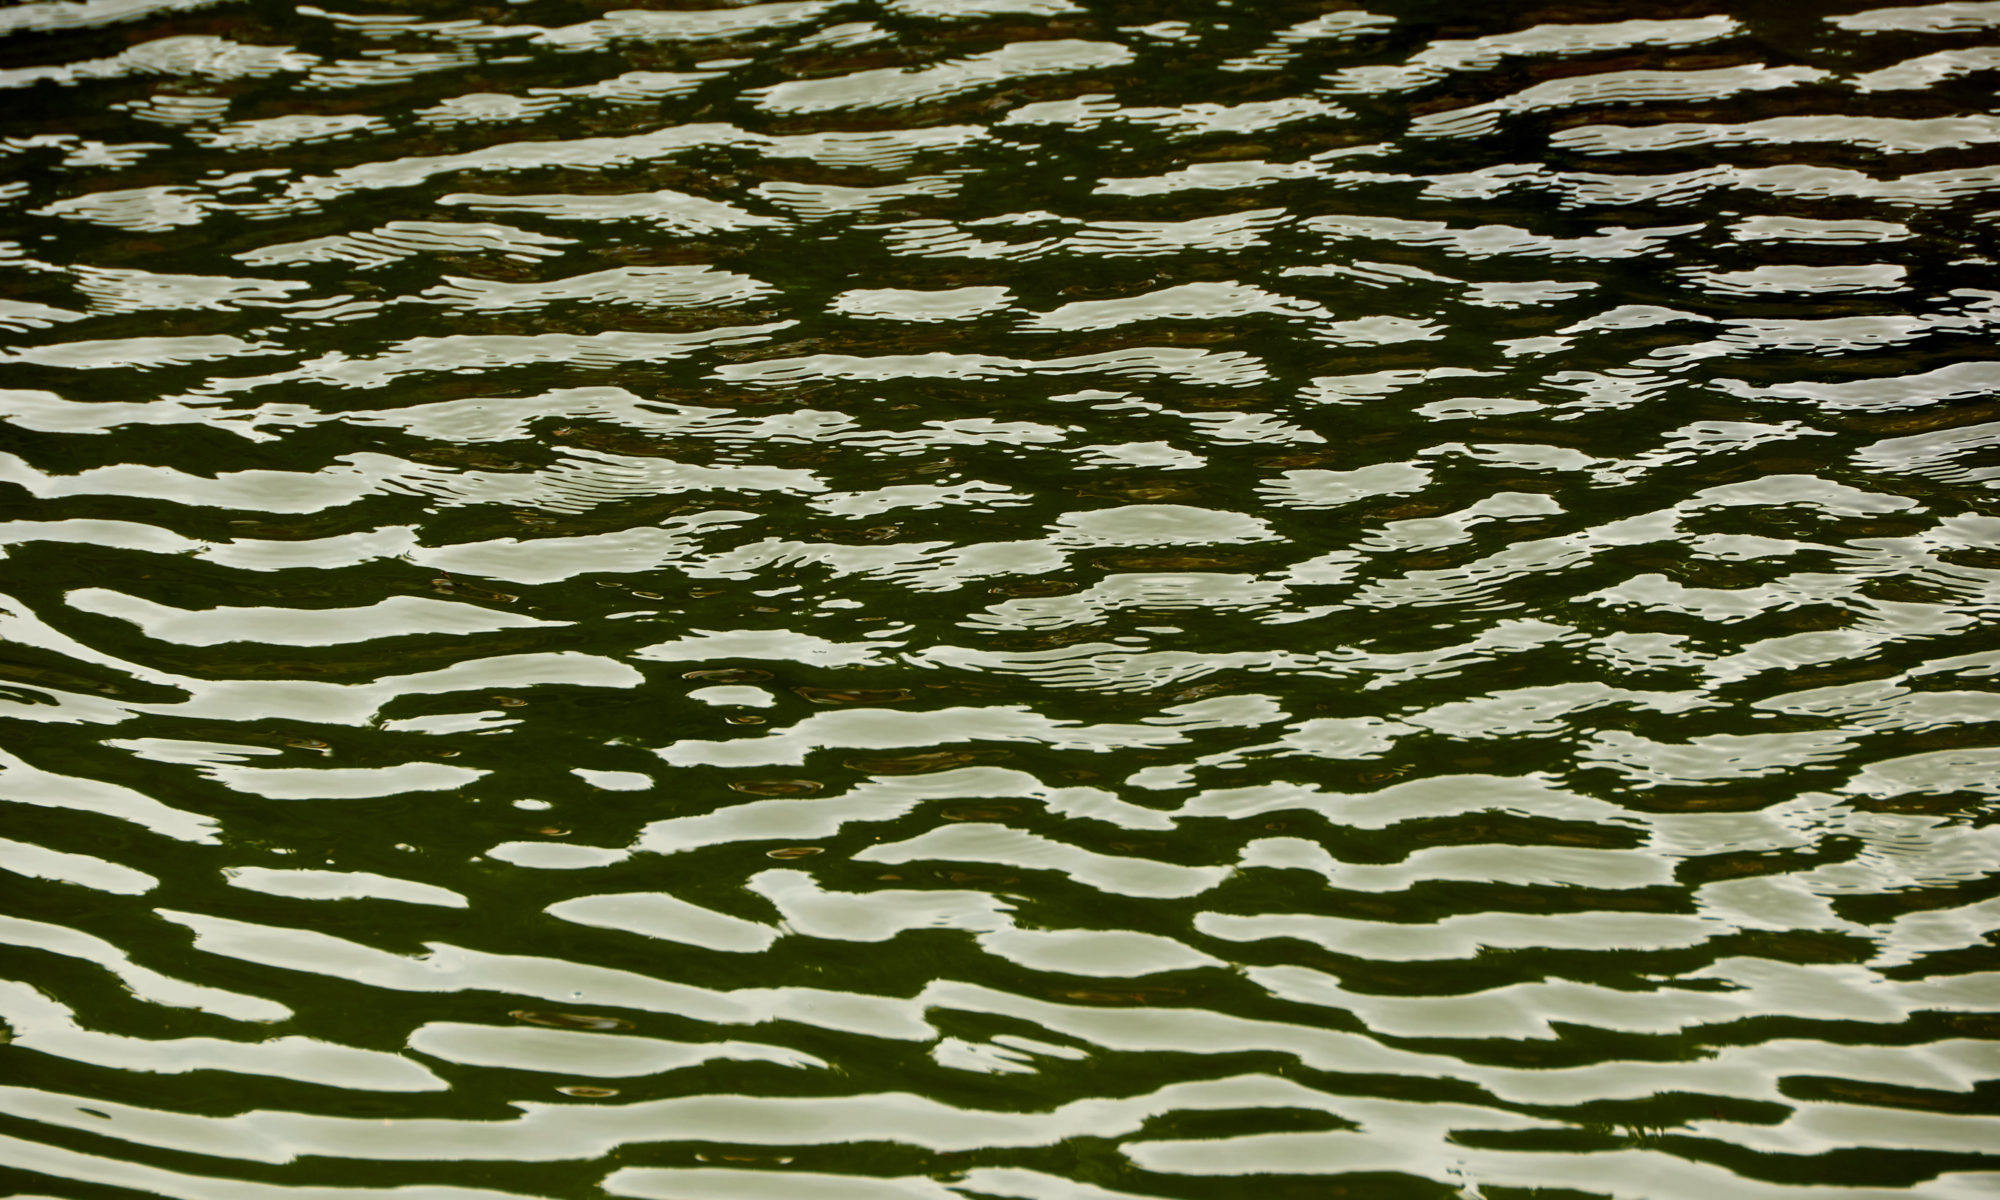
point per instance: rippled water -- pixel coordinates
(941, 599)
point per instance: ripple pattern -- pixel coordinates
(1041, 599)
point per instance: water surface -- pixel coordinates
(1043, 599)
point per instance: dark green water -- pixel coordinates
(965, 599)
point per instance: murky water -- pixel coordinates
(1043, 599)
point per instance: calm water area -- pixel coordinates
(999, 600)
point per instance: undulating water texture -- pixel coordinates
(1000, 600)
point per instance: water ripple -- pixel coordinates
(1021, 598)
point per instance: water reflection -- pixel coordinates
(1017, 598)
